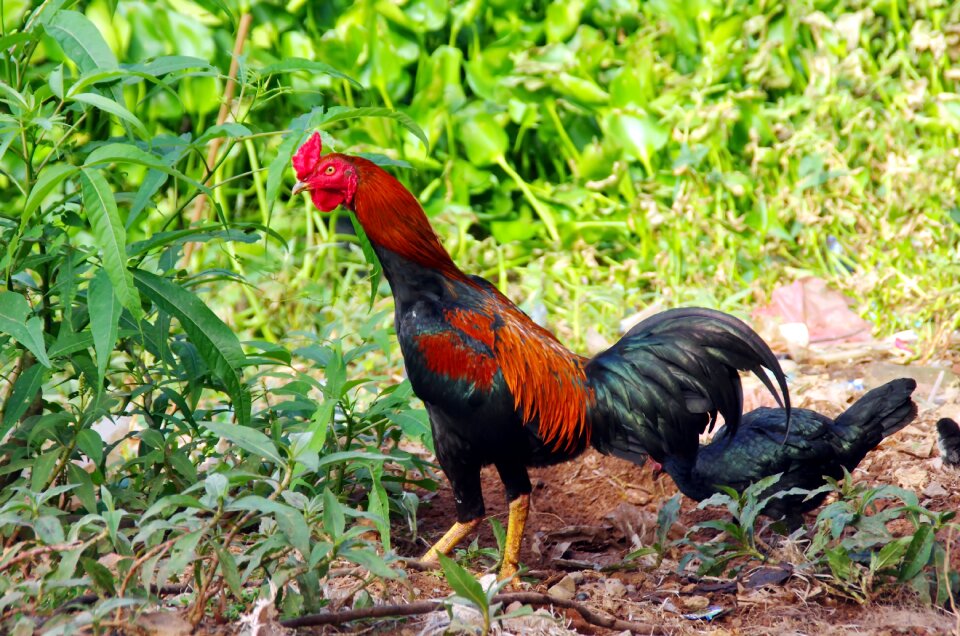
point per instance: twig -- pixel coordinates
(214, 148)
(46, 549)
(425, 607)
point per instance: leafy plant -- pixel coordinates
(737, 538)
(469, 592)
(865, 559)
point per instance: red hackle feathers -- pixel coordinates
(393, 219)
(447, 354)
(307, 156)
(547, 381)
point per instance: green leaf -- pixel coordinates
(105, 306)
(463, 583)
(128, 153)
(14, 310)
(296, 64)
(12, 97)
(289, 520)
(85, 491)
(113, 108)
(81, 41)
(334, 521)
(217, 345)
(484, 140)
(91, 444)
(285, 152)
(918, 552)
(640, 136)
(52, 176)
(376, 270)
(100, 575)
(340, 113)
(111, 237)
(370, 560)
(249, 439)
(228, 568)
(24, 392)
(889, 555)
(563, 18)
(183, 553)
(230, 130)
(49, 530)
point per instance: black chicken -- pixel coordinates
(815, 445)
(948, 439)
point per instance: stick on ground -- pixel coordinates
(425, 607)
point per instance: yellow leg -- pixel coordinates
(519, 508)
(449, 541)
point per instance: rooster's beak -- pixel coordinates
(299, 187)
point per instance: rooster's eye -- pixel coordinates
(329, 170)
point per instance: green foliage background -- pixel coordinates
(589, 157)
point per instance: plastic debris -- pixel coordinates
(707, 614)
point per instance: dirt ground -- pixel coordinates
(589, 513)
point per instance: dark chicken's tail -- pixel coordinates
(948, 434)
(881, 412)
(665, 381)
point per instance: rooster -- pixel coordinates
(501, 390)
(815, 445)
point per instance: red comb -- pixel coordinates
(307, 156)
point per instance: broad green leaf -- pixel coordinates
(12, 97)
(296, 64)
(52, 176)
(376, 270)
(112, 107)
(216, 485)
(100, 575)
(85, 491)
(24, 392)
(81, 41)
(249, 439)
(370, 560)
(334, 521)
(640, 136)
(483, 139)
(49, 530)
(228, 568)
(350, 456)
(217, 345)
(111, 237)
(340, 113)
(378, 504)
(105, 306)
(128, 153)
(285, 153)
(230, 130)
(171, 64)
(290, 521)
(91, 444)
(563, 18)
(463, 583)
(14, 310)
(890, 554)
(918, 552)
(181, 555)
(579, 89)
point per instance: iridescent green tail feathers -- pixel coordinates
(664, 383)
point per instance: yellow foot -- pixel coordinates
(519, 508)
(449, 541)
